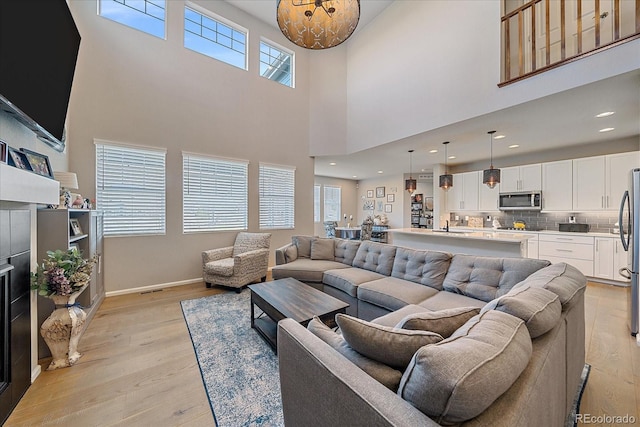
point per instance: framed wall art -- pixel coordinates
(369, 194)
(39, 163)
(3, 152)
(379, 192)
(391, 198)
(17, 159)
(387, 208)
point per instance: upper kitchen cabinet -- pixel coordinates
(599, 182)
(557, 186)
(488, 197)
(521, 178)
(463, 196)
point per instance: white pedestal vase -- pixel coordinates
(61, 330)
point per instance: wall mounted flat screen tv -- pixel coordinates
(39, 44)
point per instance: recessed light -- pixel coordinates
(433, 151)
(606, 130)
(605, 114)
(452, 157)
(514, 146)
(332, 164)
(354, 176)
(380, 172)
(499, 137)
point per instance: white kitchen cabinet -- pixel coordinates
(620, 260)
(463, 196)
(533, 246)
(521, 178)
(600, 181)
(603, 258)
(487, 197)
(557, 186)
(575, 250)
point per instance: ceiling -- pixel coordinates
(560, 120)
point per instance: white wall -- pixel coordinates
(421, 65)
(392, 185)
(349, 200)
(135, 88)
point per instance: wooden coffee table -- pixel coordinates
(291, 298)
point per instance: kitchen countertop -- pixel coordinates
(468, 233)
(565, 233)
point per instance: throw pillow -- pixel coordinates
(385, 375)
(304, 245)
(290, 253)
(475, 366)
(322, 249)
(391, 346)
(443, 322)
(539, 308)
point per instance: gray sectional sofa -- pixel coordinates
(431, 338)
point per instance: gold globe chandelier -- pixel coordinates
(318, 24)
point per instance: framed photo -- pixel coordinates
(17, 159)
(39, 163)
(368, 205)
(369, 194)
(387, 208)
(391, 198)
(74, 246)
(75, 226)
(3, 152)
(379, 192)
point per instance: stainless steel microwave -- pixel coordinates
(520, 201)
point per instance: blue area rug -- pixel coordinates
(239, 370)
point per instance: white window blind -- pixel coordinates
(277, 197)
(214, 193)
(316, 203)
(332, 198)
(130, 189)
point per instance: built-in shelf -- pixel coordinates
(18, 185)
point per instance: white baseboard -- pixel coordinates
(35, 373)
(151, 288)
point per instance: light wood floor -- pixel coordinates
(139, 369)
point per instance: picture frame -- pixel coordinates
(369, 194)
(388, 208)
(39, 163)
(3, 151)
(17, 159)
(379, 192)
(391, 198)
(76, 230)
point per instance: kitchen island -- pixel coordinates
(483, 243)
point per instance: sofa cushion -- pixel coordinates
(393, 293)
(443, 300)
(384, 374)
(486, 278)
(304, 245)
(443, 322)
(345, 250)
(347, 279)
(221, 267)
(476, 365)
(393, 318)
(421, 266)
(322, 249)
(393, 347)
(539, 308)
(305, 269)
(562, 279)
(374, 256)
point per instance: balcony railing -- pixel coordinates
(543, 34)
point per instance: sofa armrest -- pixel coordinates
(320, 387)
(256, 256)
(281, 257)
(217, 254)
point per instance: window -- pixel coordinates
(316, 203)
(332, 198)
(130, 189)
(220, 40)
(276, 64)
(144, 15)
(214, 193)
(277, 192)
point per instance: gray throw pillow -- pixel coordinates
(391, 346)
(322, 249)
(385, 375)
(290, 253)
(443, 322)
(458, 378)
(304, 245)
(539, 308)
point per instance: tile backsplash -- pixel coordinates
(599, 222)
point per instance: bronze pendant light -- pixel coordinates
(491, 176)
(410, 184)
(446, 180)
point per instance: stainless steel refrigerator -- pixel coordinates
(629, 222)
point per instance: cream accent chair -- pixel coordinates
(238, 265)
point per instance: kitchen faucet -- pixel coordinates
(446, 228)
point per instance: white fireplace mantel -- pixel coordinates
(17, 185)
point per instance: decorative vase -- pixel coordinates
(61, 331)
